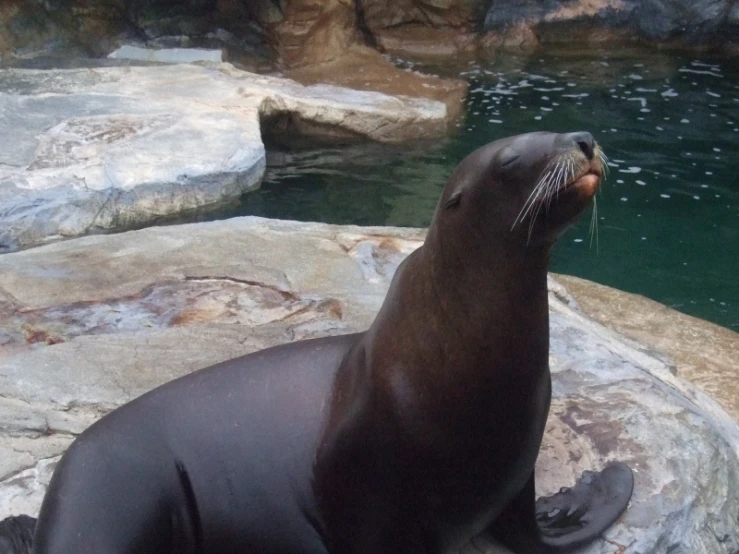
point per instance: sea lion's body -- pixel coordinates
(218, 461)
(447, 422)
(410, 438)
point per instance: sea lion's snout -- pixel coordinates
(586, 173)
(584, 141)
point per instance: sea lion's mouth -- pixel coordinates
(588, 184)
(588, 180)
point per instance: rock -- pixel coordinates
(512, 37)
(707, 22)
(318, 41)
(303, 32)
(313, 31)
(91, 323)
(732, 17)
(380, 15)
(32, 29)
(661, 20)
(704, 353)
(362, 68)
(25, 491)
(167, 55)
(424, 28)
(93, 150)
(420, 42)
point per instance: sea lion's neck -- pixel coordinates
(453, 304)
(499, 289)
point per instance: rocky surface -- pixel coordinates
(302, 32)
(167, 55)
(90, 323)
(31, 28)
(93, 150)
(325, 41)
(681, 22)
(311, 31)
(425, 28)
(704, 353)
(362, 68)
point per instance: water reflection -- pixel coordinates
(667, 215)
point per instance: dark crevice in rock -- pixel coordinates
(365, 31)
(287, 295)
(194, 300)
(289, 130)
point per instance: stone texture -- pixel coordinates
(706, 22)
(427, 43)
(91, 323)
(302, 32)
(318, 41)
(704, 354)
(429, 29)
(91, 150)
(362, 68)
(167, 55)
(314, 31)
(33, 28)
(386, 14)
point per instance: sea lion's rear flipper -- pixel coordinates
(575, 516)
(569, 519)
(16, 534)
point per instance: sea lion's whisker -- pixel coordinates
(594, 225)
(541, 187)
(554, 186)
(551, 185)
(566, 175)
(603, 162)
(531, 202)
(532, 196)
(569, 175)
(555, 176)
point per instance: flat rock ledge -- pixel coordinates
(111, 148)
(91, 323)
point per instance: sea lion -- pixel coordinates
(411, 437)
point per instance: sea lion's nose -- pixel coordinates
(584, 141)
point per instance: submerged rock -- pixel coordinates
(91, 323)
(103, 149)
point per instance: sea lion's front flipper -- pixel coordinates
(569, 519)
(575, 516)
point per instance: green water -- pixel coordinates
(668, 213)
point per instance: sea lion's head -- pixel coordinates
(525, 190)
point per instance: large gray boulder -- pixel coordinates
(91, 323)
(110, 148)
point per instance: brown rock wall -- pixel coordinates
(314, 31)
(458, 14)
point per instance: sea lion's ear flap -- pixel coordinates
(454, 200)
